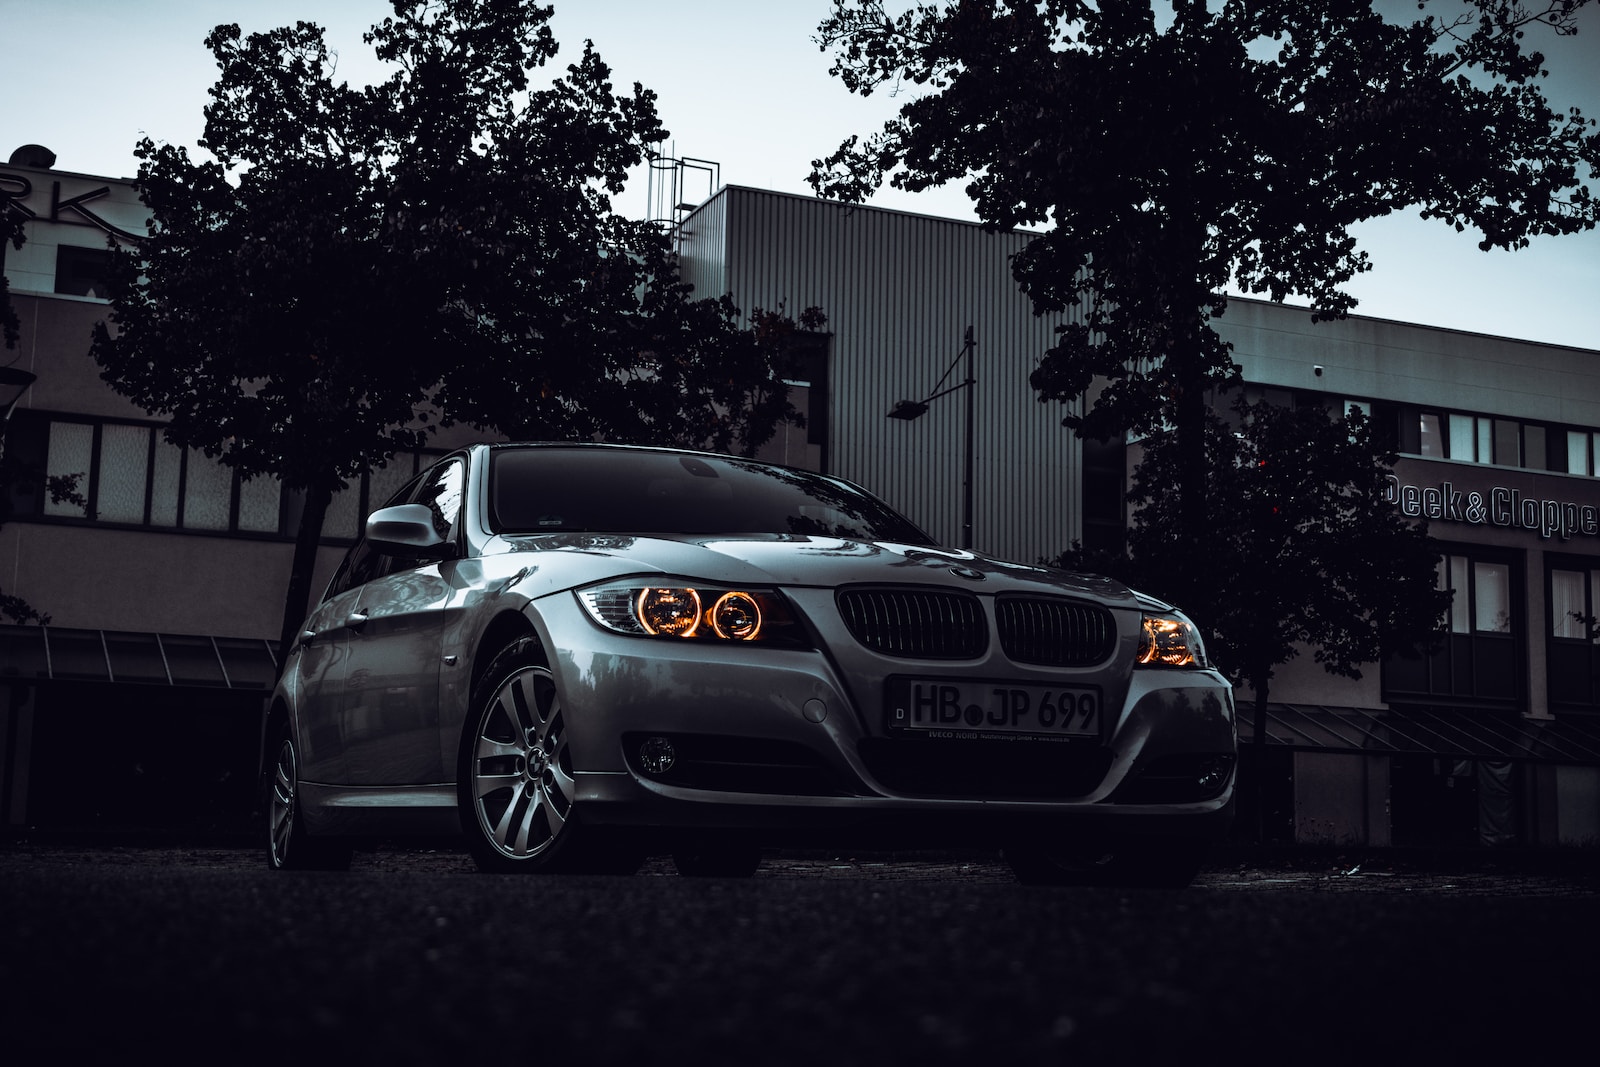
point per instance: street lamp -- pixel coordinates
(909, 410)
(13, 383)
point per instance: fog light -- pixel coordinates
(657, 755)
(1213, 772)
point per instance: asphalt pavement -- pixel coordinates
(185, 953)
(1539, 871)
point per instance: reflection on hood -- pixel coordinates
(791, 559)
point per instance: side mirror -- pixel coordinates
(406, 530)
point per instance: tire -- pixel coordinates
(1153, 865)
(515, 786)
(289, 847)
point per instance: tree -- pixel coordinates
(13, 231)
(61, 488)
(646, 363)
(1301, 548)
(356, 267)
(1234, 142)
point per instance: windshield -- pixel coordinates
(602, 490)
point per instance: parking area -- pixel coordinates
(1566, 873)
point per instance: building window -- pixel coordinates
(1507, 442)
(1431, 441)
(127, 474)
(1480, 439)
(166, 475)
(71, 455)
(124, 473)
(1379, 422)
(1502, 442)
(259, 505)
(1572, 597)
(1471, 439)
(83, 271)
(1533, 447)
(1572, 652)
(1104, 496)
(350, 506)
(1479, 659)
(1480, 595)
(207, 493)
(1583, 452)
(1491, 597)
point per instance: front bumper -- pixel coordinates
(780, 743)
(624, 800)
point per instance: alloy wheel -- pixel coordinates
(522, 783)
(281, 804)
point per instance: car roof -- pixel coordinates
(494, 446)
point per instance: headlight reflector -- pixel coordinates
(1170, 641)
(736, 617)
(669, 612)
(698, 611)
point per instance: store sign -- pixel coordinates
(74, 201)
(1495, 505)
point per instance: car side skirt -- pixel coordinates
(403, 810)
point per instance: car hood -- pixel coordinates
(794, 560)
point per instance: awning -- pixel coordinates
(1429, 731)
(38, 653)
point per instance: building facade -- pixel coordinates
(900, 292)
(1494, 735)
(165, 581)
(163, 577)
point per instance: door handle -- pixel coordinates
(356, 620)
(306, 637)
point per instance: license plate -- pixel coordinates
(966, 708)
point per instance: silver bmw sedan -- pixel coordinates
(579, 656)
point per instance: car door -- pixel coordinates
(390, 716)
(320, 654)
(323, 653)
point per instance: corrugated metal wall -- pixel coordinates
(899, 291)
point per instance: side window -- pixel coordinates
(355, 562)
(440, 492)
(361, 564)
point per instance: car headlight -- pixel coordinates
(703, 612)
(1170, 641)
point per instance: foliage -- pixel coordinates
(355, 267)
(1222, 143)
(658, 368)
(13, 231)
(1238, 143)
(1301, 547)
(62, 489)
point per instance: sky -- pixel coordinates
(740, 83)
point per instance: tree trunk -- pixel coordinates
(1259, 743)
(1190, 428)
(302, 570)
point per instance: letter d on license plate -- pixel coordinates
(969, 706)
